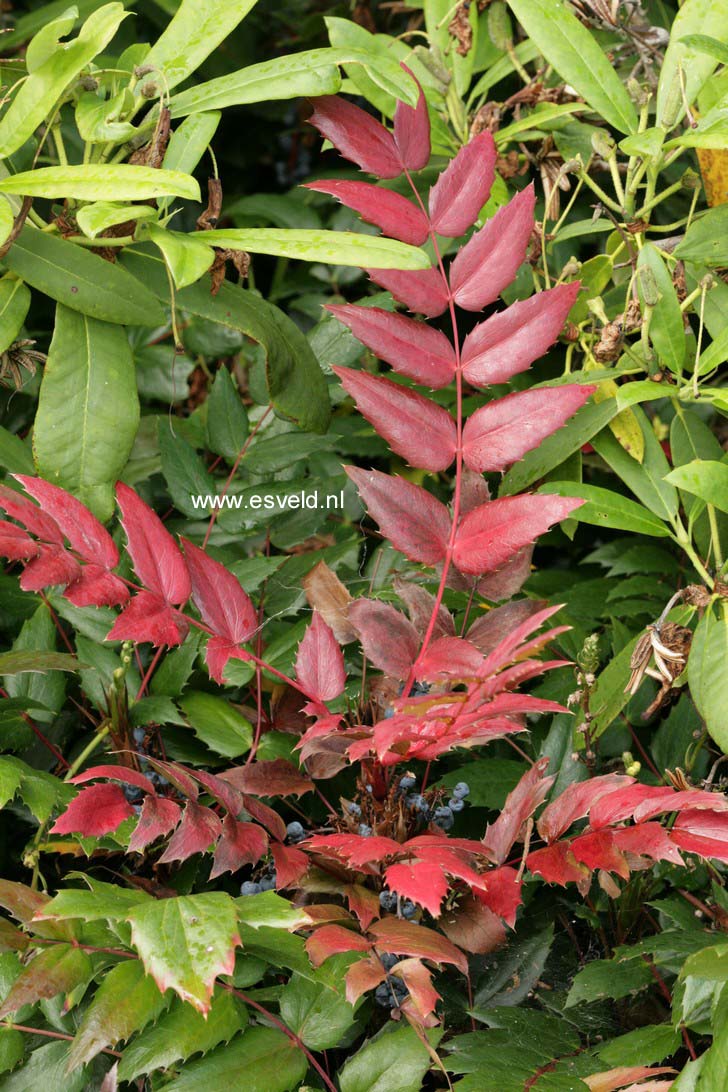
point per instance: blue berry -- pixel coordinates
(354, 809)
(132, 793)
(388, 900)
(407, 782)
(138, 734)
(137, 808)
(408, 909)
(250, 888)
(369, 789)
(389, 960)
(444, 818)
(295, 831)
(456, 804)
(461, 790)
(365, 830)
(388, 712)
(383, 996)
(268, 883)
(416, 800)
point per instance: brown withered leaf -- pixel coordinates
(278, 777)
(326, 594)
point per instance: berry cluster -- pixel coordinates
(391, 993)
(267, 882)
(131, 792)
(442, 816)
(296, 832)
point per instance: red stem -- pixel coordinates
(149, 672)
(55, 1035)
(232, 474)
(44, 740)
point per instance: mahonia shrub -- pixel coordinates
(382, 876)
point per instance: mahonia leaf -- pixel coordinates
(463, 187)
(411, 518)
(490, 260)
(489, 535)
(158, 817)
(270, 1061)
(319, 663)
(412, 129)
(357, 136)
(55, 970)
(413, 348)
(389, 639)
(223, 606)
(393, 214)
(422, 290)
(97, 810)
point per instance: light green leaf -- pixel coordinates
(108, 903)
(47, 40)
(97, 119)
(706, 240)
(183, 470)
(667, 332)
(7, 220)
(125, 1002)
(609, 978)
(227, 419)
(196, 30)
(188, 144)
(99, 182)
(41, 792)
(706, 479)
(186, 942)
(710, 963)
(88, 410)
(646, 144)
(82, 281)
(267, 910)
(187, 256)
(572, 50)
(14, 304)
(15, 456)
(607, 509)
(217, 723)
(708, 672)
(267, 1057)
(38, 95)
(95, 218)
(648, 479)
(710, 132)
(535, 119)
(395, 1061)
(336, 247)
(685, 68)
(181, 1032)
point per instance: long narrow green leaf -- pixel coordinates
(107, 182)
(686, 67)
(336, 247)
(607, 509)
(196, 30)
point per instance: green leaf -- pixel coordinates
(574, 53)
(267, 1057)
(296, 384)
(581, 428)
(644, 1046)
(195, 32)
(395, 1061)
(15, 456)
(190, 140)
(217, 723)
(706, 479)
(187, 256)
(100, 182)
(183, 470)
(95, 218)
(708, 673)
(667, 332)
(647, 479)
(46, 1069)
(609, 978)
(98, 120)
(7, 220)
(88, 409)
(186, 942)
(125, 1002)
(21, 662)
(336, 247)
(711, 963)
(39, 93)
(41, 792)
(685, 68)
(267, 910)
(535, 120)
(490, 780)
(705, 44)
(12, 1048)
(181, 1032)
(646, 144)
(227, 419)
(80, 280)
(52, 971)
(607, 509)
(706, 240)
(510, 978)
(14, 304)
(319, 1015)
(108, 902)
(609, 696)
(37, 642)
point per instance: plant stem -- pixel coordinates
(89, 749)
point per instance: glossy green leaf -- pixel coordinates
(186, 942)
(646, 144)
(227, 419)
(98, 120)
(268, 911)
(126, 1001)
(190, 140)
(12, 1048)
(37, 661)
(52, 971)
(107, 902)
(15, 456)
(704, 478)
(319, 1015)
(188, 258)
(267, 1058)
(38, 95)
(14, 304)
(46, 1069)
(643, 1046)
(336, 247)
(180, 1033)
(41, 792)
(667, 331)
(183, 470)
(82, 281)
(608, 978)
(685, 68)
(607, 509)
(706, 240)
(573, 51)
(711, 962)
(7, 219)
(88, 410)
(197, 29)
(647, 479)
(100, 182)
(395, 1061)
(217, 723)
(296, 384)
(708, 672)
(690, 439)
(24, 673)
(706, 44)
(95, 218)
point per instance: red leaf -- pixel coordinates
(490, 260)
(148, 617)
(15, 543)
(362, 902)
(87, 536)
(53, 565)
(158, 817)
(597, 849)
(333, 940)
(703, 832)
(463, 187)
(362, 976)
(421, 881)
(411, 347)
(97, 587)
(575, 802)
(510, 578)
(158, 561)
(177, 775)
(124, 774)
(416, 428)
(355, 849)
(648, 840)
(511, 647)
(488, 631)
(669, 800)
(219, 788)
(198, 829)
(510, 341)
(450, 656)
(418, 981)
(405, 938)
(357, 136)
(421, 290)
(557, 864)
(420, 604)
(97, 810)
(389, 639)
(291, 864)
(240, 844)
(615, 806)
(266, 816)
(412, 129)
(520, 804)
(412, 519)
(218, 653)
(320, 663)
(30, 515)
(488, 536)
(393, 214)
(499, 434)
(278, 777)
(473, 927)
(222, 603)
(502, 893)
